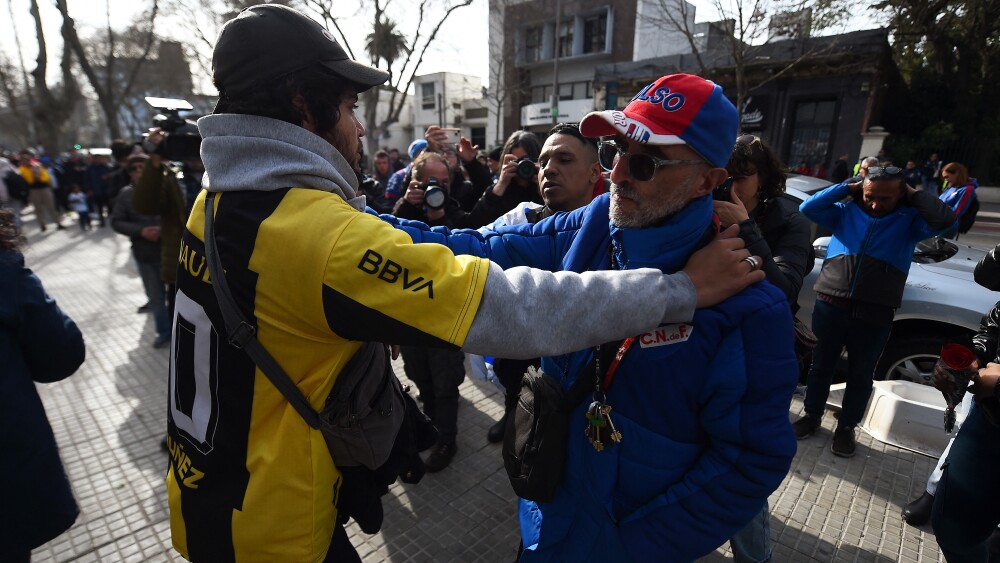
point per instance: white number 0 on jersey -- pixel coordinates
(194, 373)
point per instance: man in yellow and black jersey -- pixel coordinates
(249, 480)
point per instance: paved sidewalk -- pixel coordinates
(110, 416)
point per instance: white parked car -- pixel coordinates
(941, 301)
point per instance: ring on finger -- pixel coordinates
(754, 262)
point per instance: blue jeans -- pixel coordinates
(836, 328)
(752, 544)
(966, 509)
(155, 293)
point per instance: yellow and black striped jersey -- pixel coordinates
(248, 479)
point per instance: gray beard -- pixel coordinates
(649, 212)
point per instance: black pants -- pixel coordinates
(437, 373)
(100, 206)
(341, 549)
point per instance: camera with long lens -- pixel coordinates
(181, 139)
(434, 194)
(526, 167)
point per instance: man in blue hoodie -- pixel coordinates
(702, 406)
(876, 224)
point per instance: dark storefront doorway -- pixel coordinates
(811, 133)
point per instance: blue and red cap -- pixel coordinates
(677, 109)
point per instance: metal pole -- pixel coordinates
(554, 108)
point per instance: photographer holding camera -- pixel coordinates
(158, 192)
(428, 197)
(518, 178)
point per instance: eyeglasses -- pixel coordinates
(135, 168)
(747, 139)
(642, 167)
(876, 172)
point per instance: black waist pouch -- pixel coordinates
(534, 445)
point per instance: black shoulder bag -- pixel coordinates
(537, 433)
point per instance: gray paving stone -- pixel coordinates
(108, 420)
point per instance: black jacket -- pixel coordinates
(486, 210)
(988, 270)
(125, 220)
(38, 343)
(986, 345)
(780, 235)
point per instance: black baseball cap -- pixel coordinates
(269, 41)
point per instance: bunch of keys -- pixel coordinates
(600, 427)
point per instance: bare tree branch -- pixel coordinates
(394, 111)
(107, 97)
(147, 48)
(323, 9)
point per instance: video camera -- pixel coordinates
(181, 139)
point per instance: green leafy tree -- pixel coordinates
(948, 52)
(385, 43)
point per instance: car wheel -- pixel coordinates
(910, 358)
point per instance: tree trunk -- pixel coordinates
(107, 97)
(51, 111)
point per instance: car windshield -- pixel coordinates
(933, 250)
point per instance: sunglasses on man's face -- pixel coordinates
(641, 167)
(135, 168)
(877, 172)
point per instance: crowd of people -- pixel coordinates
(625, 255)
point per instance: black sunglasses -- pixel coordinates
(876, 172)
(747, 139)
(642, 167)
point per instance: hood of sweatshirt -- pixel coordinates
(249, 152)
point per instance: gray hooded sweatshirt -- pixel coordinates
(524, 312)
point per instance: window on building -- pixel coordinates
(427, 96)
(533, 44)
(811, 133)
(541, 94)
(582, 90)
(478, 135)
(476, 113)
(595, 30)
(565, 42)
(536, 94)
(566, 91)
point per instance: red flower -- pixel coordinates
(957, 357)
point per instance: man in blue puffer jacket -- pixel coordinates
(702, 407)
(874, 233)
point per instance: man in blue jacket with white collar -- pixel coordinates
(702, 407)
(876, 224)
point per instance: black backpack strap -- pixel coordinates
(242, 334)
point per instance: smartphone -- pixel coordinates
(454, 135)
(724, 191)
